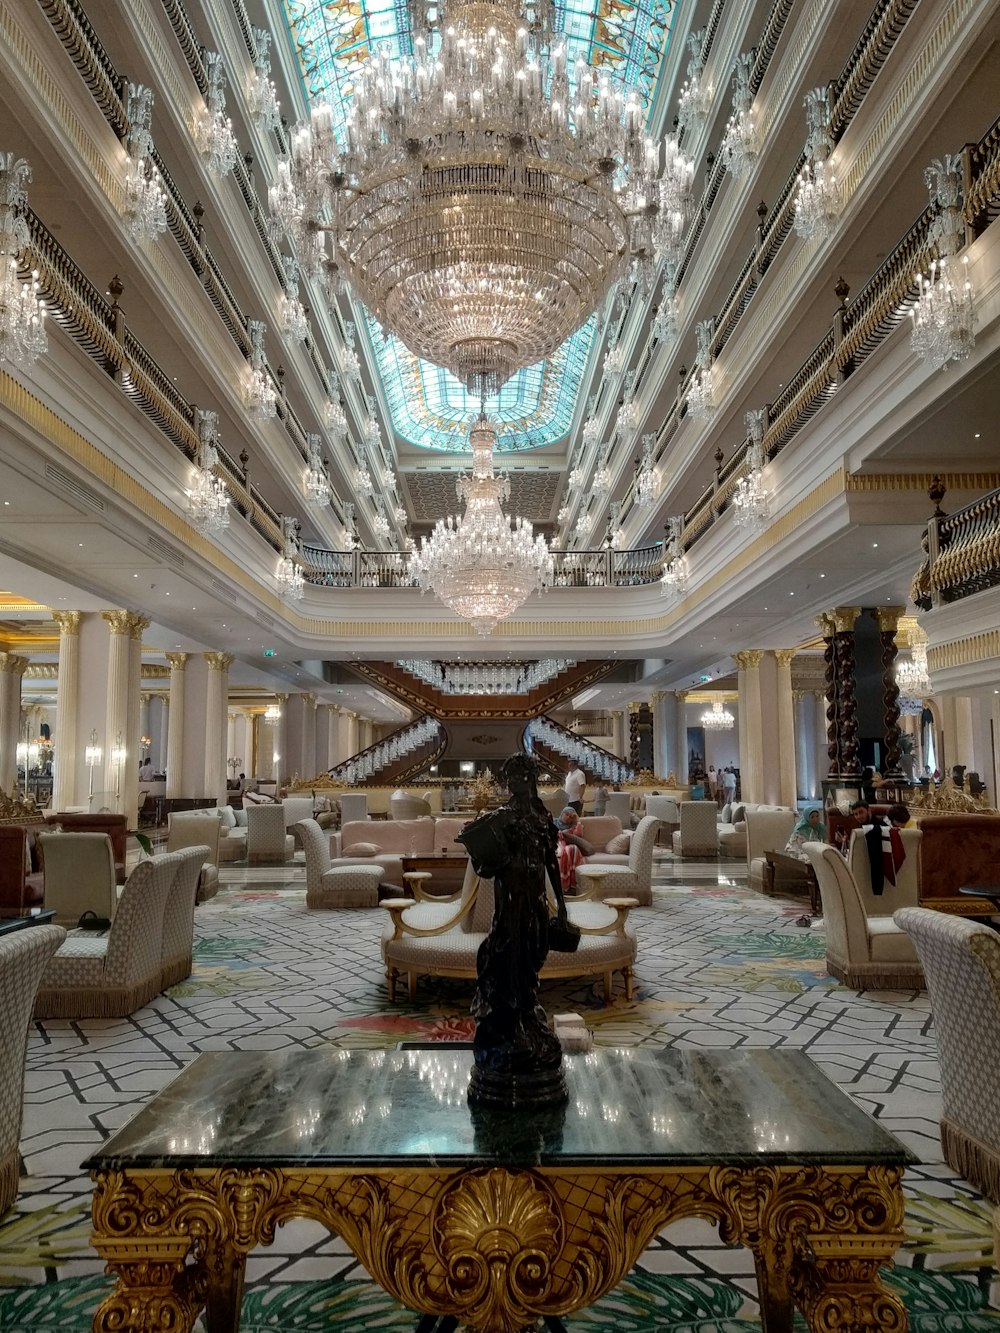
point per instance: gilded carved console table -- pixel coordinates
(498, 1218)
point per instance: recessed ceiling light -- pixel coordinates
(822, 576)
(79, 543)
(874, 546)
(976, 437)
(166, 594)
(791, 594)
(6, 504)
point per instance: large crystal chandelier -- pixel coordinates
(912, 675)
(22, 312)
(750, 500)
(213, 131)
(718, 717)
(673, 580)
(262, 96)
(483, 565)
(647, 484)
(739, 146)
(701, 395)
(288, 572)
(487, 197)
(944, 316)
(260, 395)
(818, 200)
(315, 482)
(208, 501)
(144, 207)
(696, 95)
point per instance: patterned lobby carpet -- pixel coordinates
(718, 967)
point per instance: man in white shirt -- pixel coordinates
(576, 781)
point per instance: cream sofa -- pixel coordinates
(387, 841)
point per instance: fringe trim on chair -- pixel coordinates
(176, 971)
(871, 977)
(973, 1160)
(95, 1001)
(10, 1170)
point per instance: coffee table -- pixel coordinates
(445, 871)
(498, 1218)
(19, 922)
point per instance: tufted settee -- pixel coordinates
(385, 842)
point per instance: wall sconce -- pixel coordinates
(118, 756)
(92, 756)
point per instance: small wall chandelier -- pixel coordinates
(208, 500)
(628, 413)
(601, 481)
(348, 353)
(673, 580)
(701, 396)
(260, 395)
(380, 523)
(294, 325)
(144, 208)
(614, 357)
(818, 201)
(362, 477)
(616, 533)
(22, 312)
(647, 483)
(944, 316)
(288, 572)
(371, 429)
(334, 416)
(696, 95)
(739, 146)
(486, 109)
(272, 715)
(592, 426)
(666, 321)
(262, 96)
(483, 565)
(213, 131)
(912, 675)
(718, 717)
(750, 500)
(315, 483)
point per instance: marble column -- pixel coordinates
(159, 712)
(130, 769)
(681, 753)
(844, 619)
(618, 733)
(64, 782)
(787, 770)
(308, 769)
(353, 734)
(323, 736)
(12, 669)
(114, 782)
(751, 734)
(662, 710)
(175, 724)
(335, 753)
(216, 724)
(279, 744)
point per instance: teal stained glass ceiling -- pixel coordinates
(429, 407)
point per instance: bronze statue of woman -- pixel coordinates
(518, 1060)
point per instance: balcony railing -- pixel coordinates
(963, 554)
(573, 569)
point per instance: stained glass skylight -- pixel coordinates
(429, 406)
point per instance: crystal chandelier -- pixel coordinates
(674, 578)
(260, 395)
(592, 426)
(750, 501)
(911, 675)
(272, 715)
(909, 706)
(818, 200)
(718, 717)
(739, 146)
(208, 502)
(262, 96)
(372, 430)
(22, 312)
(362, 477)
(646, 481)
(483, 565)
(334, 416)
(676, 200)
(627, 411)
(315, 483)
(380, 523)
(351, 539)
(348, 354)
(584, 525)
(944, 316)
(601, 482)
(288, 572)
(294, 325)
(213, 131)
(144, 208)
(696, 96)
(614, 357)
(487, 197)
(701, 396)
(666, 321)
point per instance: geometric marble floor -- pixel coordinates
(718, 966)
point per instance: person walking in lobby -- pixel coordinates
(575, 784)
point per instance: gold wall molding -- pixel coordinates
(42, 671)
(844, 618)
(972, 649)
(921, 481)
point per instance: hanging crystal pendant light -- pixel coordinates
(334, 416)
(817, 202)
(718, 717)
(944, 315)
(260, 395)
(262, 96)
(740, 147)
(673, 580)
(208, 501)
(22, 312)
(616, 533)
(628, 413)
(666, 321)
(601, 481)
(315, 482)
(288, 573)
(294, 325)
(380, 523)
(213, 131)
(647, 484)
(592, 426)
(371, 429)
(912, 675)
(614, 357)
(348, 354)
(696, 95)
(483, 565)
(701, 396)
(750, 500)
(144, 208)
(362, 477)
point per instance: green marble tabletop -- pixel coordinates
(638, 1106)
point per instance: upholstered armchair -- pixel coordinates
(619, 804)
(906, 890)
(19, 889)
(194, 828)
(353, 805)
(177, 949)
(698, 834)
(113, 974)
(23, 956)
(664, 808)
(104, 821)
(267, 841)
(79, 875)
(767, 831)
(633, 880)
(961, 962)
(334, 886)
(864, 952)
(408, 807)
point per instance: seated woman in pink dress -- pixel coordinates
(569, 851)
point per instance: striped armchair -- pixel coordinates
(23, 956)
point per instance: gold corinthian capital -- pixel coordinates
(749, 659)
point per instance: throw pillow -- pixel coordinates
(738, 813)
(361, 849)
(619, 844)
(228, 815)
(241, 818)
